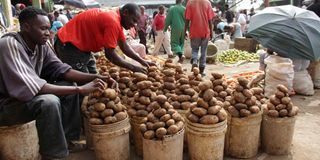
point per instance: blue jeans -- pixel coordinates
(57, 120)
(196, 43)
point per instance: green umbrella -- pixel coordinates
(290, 31)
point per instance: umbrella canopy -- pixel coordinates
(290, 31)
(83, 3)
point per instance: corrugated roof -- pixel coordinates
(138, 2)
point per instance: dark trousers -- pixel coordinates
(78, 60)
(143, 40)
(57, 120)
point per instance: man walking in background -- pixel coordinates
(200, 15)
(176, 20)
(142, 27)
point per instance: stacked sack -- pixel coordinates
(162, 121)
(206, 110)
(280, 104)
(243, 102)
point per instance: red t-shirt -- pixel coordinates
(93, 30)
(199, 12)
(159, 22)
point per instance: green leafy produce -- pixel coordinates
(233, 56)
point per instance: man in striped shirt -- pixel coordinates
(27, 66)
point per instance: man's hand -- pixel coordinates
(139, 69)
(110, 81)
(95, 85)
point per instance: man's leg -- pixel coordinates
(158, 43)
(203, 57)
(143, 40)
(195, 44)
(166, 44)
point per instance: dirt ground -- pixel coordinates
(306, 140)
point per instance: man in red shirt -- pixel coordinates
(199, 14)
(95, 30)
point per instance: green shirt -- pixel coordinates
(175, 18)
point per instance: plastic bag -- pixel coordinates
(187, 49)
(279, 71)
(314, 71)
(302, 83)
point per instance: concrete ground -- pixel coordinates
(306, 140)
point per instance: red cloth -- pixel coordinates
(199, 12)
(93, 30)
(159, 22)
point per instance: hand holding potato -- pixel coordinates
(95, 85)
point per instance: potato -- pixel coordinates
(140, 76)
(159, 124)
(169, 72)
(160, 112)
(180, 125)
(205, 85)
(208, 94)
(169, 79)
(92, 101)
(251, 102)
(289, 106)
(222, 115)
(120, 116)
(152, 74)
(239, 88)
(270, 106)
(195, 70)
(282, 88)
(283, 113)
(213, 101)
(214, 110)
(218, 88)
(146, 92)
(143, 128)
(117, 100)
(124, 80)
(254, 109)
(223, 94)
(114, 69)
(165, 117)
(294, 111)
(240, 106)
(139, 106)
(144, 85)
(202, 103)
(176, 105)
(184, 87)
(155, 105)
(199, 111)
(239, 97)
(150, 125)
(189, 91)
(110, 93)
(185, 105)
(183, 81)
(247, 93)
(99, 107)
(132, 112)
(149, 134)
(152, 118)
(95, 121)
(106, 113)
(170, 122)
(152, 69)
(209, 119)
(244, 113)
(217, 75)
(194, 98)
(193, 105)
(243, 82)
(194, 83)
(280, 107)
(274, 100)
(124, 74)
(233, 111)
(167, 106)
(122, 86)
(273, 113)
(119, 107)
(144, 100)
(177, 117)
(285, 100)
(110, 119)
(226, 104)
(184, 98)
(161, 99)
(173, 129)
(264, 109)
(279, 94)
(160, 132)
(141, 113)
(94, 114)
(193, 118)
(171, 111)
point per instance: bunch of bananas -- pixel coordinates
(233, 56)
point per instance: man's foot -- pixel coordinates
(171, 56)
(181, 58)
(76, 146)
(202, 71)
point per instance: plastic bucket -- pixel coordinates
(136, 134)
(277, 134)
(111, 141)
(242, 138)
(19, 142)
(185, 139)
(170, 148)
(206, 141)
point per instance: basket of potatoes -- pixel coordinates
(162, 132)
(278, 123)
(206, 125)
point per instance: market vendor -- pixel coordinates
(94, 30)
(36, 85)
(234, 29)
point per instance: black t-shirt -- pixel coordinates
(229, 16)
(315, 8)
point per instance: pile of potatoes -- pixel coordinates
(207, 109)
(104, 108)
(184, 95)
(220, 87)
(195, 78)
(258, 93)
(243, 103)
(141, 102)
(280, 104)
(155, 76)
(162, 121)
(169, 82)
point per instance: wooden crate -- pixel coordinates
(246, 44)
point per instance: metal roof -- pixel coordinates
(138, 2)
